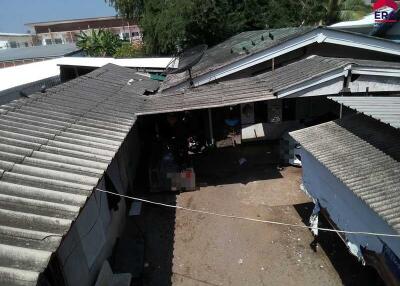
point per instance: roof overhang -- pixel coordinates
(328, 79)
(316, 36)
(14, 35)
(28, 74)
(70, 21)
(331, 83)
(152, 63)
(384, 109)
(375, 71)
(207, 105)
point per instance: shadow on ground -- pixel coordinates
(242, 164)
(151, 239)
(350, 270)
(152, 232)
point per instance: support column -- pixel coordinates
(210, 125)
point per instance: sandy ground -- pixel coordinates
(184, 249)
(220, 251)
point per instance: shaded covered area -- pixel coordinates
(240, 178)
(243, 164)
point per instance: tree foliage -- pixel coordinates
(129, 9)
(345, 10)
(171, 25)
(129, 50)
(99, 43)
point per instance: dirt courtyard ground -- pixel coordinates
(184, 249)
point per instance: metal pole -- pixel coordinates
(210, 126)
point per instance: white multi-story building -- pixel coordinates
(13, 40)
(65, 31)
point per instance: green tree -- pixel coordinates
(328, 12)
(129, 9)
(171, 25)
(345, 10)
(99, 43)
(129, 50)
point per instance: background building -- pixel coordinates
(15, 57)
(65, 31)
(13, 40)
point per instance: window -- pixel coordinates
(13, 44)
(48, 42)
(135, 34)
(125, 36)
(58, 41)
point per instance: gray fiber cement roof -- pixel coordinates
(251, 89)
(55, 146)
(49, 51)
(224, 94)
(385, 109)
(54, 149)
(364, 154)
(244, 45)
(237, 47)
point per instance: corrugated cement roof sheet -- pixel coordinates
(257, 88)
(49, 51)
(54, 148)
(237, 47)
(248, 43)
(364, 154)
(385, 109)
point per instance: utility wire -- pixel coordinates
(250, 219)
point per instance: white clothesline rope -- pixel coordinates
(249, 219)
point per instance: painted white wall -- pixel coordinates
(344, 207)
(333, 86)
(92, 236)
(29, 73)
(21, 40)
(91, 239)
(375, 83)
(52, 37)
(3, 44)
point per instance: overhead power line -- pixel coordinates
(250, 219)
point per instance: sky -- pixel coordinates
(15, 13)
